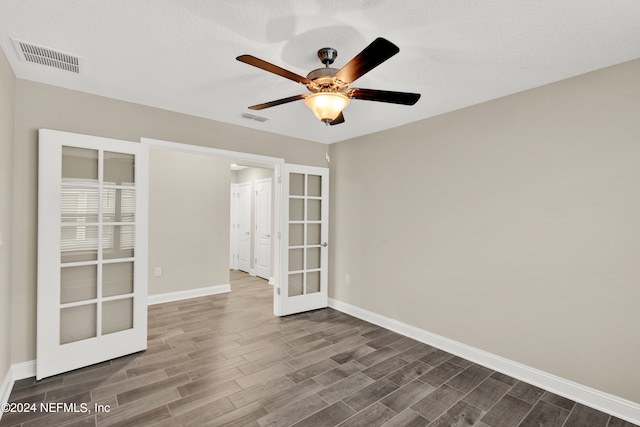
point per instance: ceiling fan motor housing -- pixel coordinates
(323, 80)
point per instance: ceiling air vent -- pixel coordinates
(29, 52)
(254, 117)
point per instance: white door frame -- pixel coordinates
(233, 235)
(256, 243)
(243, 219)
(239, 157)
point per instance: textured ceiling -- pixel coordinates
(179, 55)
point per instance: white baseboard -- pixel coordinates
(272, 281)
(17, 371)
(596, 399)
(613, 405)
(191, 293)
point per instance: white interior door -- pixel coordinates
(92, 250)
(244, 226)
(262, 261)
(233, 227)
(305, 230)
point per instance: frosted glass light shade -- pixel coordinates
(327, 106)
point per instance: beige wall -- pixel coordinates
(512, 226)
(7, 95)
(43, 106)
(188, 221)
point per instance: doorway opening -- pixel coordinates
(299, 258)
(218, 235)
(252, 220)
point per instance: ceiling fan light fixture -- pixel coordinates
(327, 106)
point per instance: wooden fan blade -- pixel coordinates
(276, 102)
(404, 98)
(373, 55)
(337, 120)
(264, 65)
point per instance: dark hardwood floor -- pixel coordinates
(225, 360)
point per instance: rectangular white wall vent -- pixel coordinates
(29, 52)
(250, 116)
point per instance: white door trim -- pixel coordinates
(208, 151)
(244, 232)
(233, 221)
(256, 245)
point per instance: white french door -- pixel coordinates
(262, 259)
(92, 250)
(304, 243)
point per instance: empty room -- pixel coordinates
(320, 213)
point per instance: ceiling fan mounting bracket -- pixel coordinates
(327, 55)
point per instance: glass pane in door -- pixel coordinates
(314, 185)
(296, 184)
(314, 210)
(313, 282)
(117, 279)
(118, 241)
(296, 209)
(78, 323)
(98, 224)
(79, 165)
(296, 284)
(119, 168)
(79, 204)
(78, 243)
(313, 234)
(296, 259)
(313, 258)
(118, 205)
(78, 283)
(296, 234)
(117, 315)
(305, 250)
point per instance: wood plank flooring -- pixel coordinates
(225, 360)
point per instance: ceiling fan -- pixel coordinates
(329, 87)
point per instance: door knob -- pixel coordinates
(324, 244)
